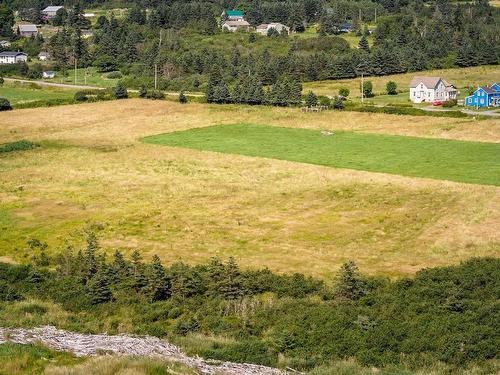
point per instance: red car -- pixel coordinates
(437, 103)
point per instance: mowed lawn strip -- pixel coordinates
(462, 161)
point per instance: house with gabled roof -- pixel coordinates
(234, 26)
(266, 27)
(12, 57)
(232, 15)
(27, 30)
(431, 89)
(51, 11)
(485, 96)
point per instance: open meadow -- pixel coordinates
(93, 169)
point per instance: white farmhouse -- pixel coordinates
(234, 26)
(265, 27)
(430, 89)
(12, 57)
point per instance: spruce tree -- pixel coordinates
(120, 91)
(230, 284)
(311, 99)
(363, 44)
(349, 285)
(158, 285)
(98, 288)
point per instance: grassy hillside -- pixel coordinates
(448, 160)
(21, 94)
(92, 169)
(460, 77)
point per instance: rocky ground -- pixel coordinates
(91, 345)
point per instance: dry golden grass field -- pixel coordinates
(190, 205)
(460, 77)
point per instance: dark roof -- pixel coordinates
(489, 90)
(11, 54)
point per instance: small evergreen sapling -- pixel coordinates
(120, 91)
(311, 99)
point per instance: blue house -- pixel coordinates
(486, 96)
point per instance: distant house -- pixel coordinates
(4, 43)
(430, 89)
(49, 74)
(265, 27)
(10, 57)
(44, 56)
(50, 12)
(346, 27)
(234, 26)
(87, 34)
(27, 30)
(486, 96)
(233, 15)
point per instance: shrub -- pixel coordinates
(80, 96)
(1, 81)
(120, 91)
(155, 94)
(143, 92)
(324, 101)
(5, 105)
(450, 103)
(17, 146)
(367, 89)
(183, 327)
(182, 98)
(344, 92)
(391, 88)
(114, 75)
(338, 103)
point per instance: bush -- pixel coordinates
(344, 92)
(114, 75)
(155, 94)
(368, 89)
(182, 98)
(80, 96)
(5, 105)
(143, 92)
(1, 81)
(391, 88)
(120, 91)
(17, 146)
(338, 103)
(450, 103)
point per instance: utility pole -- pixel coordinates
(362, 89)
(156, 65)
(375, 15)
(76, 64)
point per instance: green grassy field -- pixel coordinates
(471, 162)
(25, 94)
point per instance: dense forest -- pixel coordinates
(446, 315)
(182, 41)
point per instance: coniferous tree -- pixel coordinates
(349, 285)
(158, 285)
(98, 288)
(311, 99)
(230, 284)
(363, 44)
(120, 91)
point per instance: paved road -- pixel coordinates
(85, 87)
